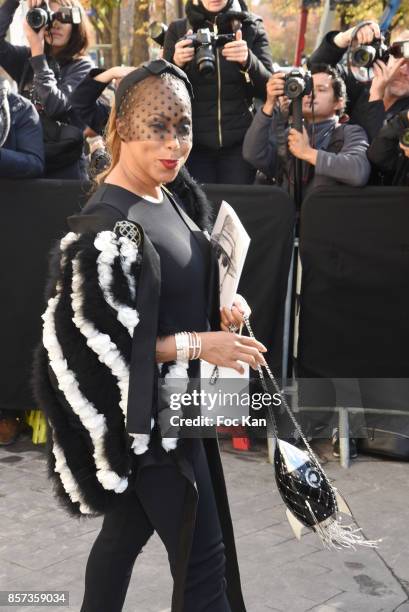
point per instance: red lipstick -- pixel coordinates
(169, 164)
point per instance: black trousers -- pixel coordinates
(157, 505)
(218, 166)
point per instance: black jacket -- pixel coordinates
(22, 154)
(86, 101)
(91, 472)
(369, 115)
(386, 154)
(223, 102)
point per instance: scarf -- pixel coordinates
(320, 133)
(199, 17)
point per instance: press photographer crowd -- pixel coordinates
(354, 94)
(340, 119)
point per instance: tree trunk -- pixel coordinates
(342, 19)
(107, 40)
(116, 56)
(140, 50)
(172, 10)
(159, 10)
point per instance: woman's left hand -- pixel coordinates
(232, 319)
(35, 39)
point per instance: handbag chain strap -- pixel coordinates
(284, 403)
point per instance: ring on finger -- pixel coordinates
(233, 328)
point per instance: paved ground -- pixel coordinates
(42, 548)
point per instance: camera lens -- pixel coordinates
(363, 57)
(37, 18)
(205, 60)
(294, 87)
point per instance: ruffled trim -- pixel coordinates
(107, 353)
(176, 381)
(100, 343)
(67, 479)
(128, 254)
(92, 420)
(106, 242)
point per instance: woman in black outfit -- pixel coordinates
(113, 335)
(223, 106)
(48, 71)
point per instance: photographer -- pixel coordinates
(223, 100)
(47, 72)
(389, 154)
(332, 152)
(21, 136)
(372, 103)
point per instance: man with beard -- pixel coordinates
(223, 98)
(331, 152)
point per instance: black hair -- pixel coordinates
(338, 83)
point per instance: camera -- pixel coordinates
(297, 83)
(400, 49)
(205, 43)
(364, 56)
(404, 138)
(43, 17)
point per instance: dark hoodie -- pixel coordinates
(223, 103)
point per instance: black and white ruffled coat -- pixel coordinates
(81, 375)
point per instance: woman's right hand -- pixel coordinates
(184, 51)
(365, 35)
(227, 349)
(274, 90)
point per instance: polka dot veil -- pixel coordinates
(157, 108)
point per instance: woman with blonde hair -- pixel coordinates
(133, 306)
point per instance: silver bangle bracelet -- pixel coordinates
(182, 346)
(188, 346)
